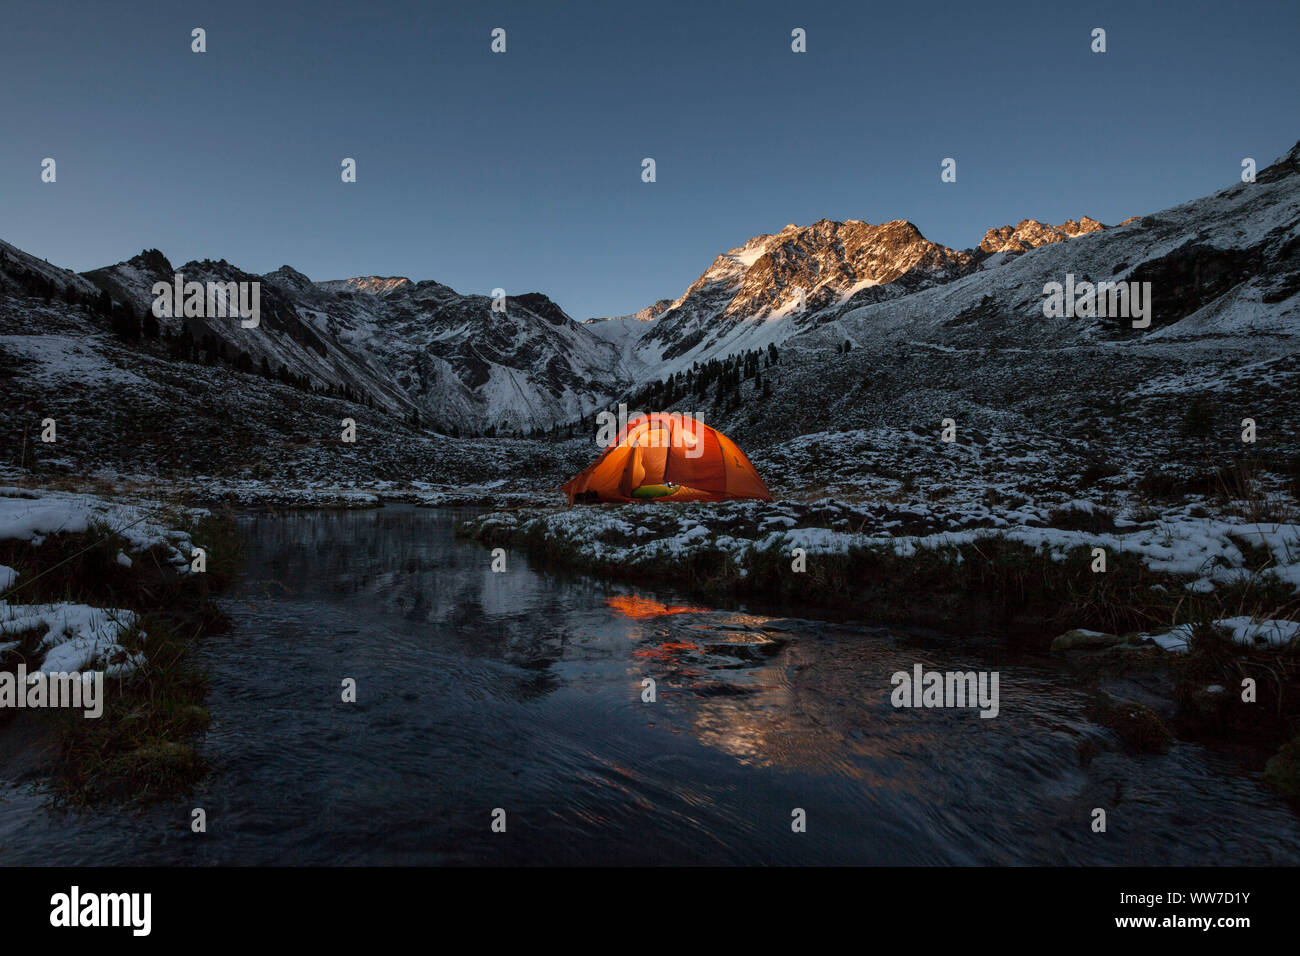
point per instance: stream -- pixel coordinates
(522, 691)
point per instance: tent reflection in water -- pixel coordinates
(668, 457)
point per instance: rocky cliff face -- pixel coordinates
(776, 286)
(1030, 234)
(415, 348)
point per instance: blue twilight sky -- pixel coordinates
(523, 170)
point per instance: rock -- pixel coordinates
(1154, 689)
(1203, 711)
(1136, 724)
(1283, 768)
(1080, 639)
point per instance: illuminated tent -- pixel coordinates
(663, 457)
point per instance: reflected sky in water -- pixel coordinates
(523, 690)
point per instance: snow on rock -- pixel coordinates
(34, 515)
(76, 637)
(1271, 633)
(1243, 630)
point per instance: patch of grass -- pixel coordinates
(83, 567)
(1214, 659)
(1261, 595)
(1096, 471)
(1283, 768)
(1256, 556)
(1243, 485)
(83, 564)
(1242, 488)
(1081, 519)
(1145, 514)
(143, 746)
(1174, 483)
(27, 650)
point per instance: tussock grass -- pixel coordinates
(1259, 488)
(989, 584)
(1081, 519)
(1242, 487)
(1210, 683)
(144, 745)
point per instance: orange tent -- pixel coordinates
(663, 457)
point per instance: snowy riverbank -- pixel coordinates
(1184, 555)
(71, 635)
(114, 586)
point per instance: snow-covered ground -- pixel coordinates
(1242, 630)
(71, 636)
(1198, 551)
(75, 637)
(1207, 551)
(32, 515)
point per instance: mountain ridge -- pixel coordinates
(420, 349)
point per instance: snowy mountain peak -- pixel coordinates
(1030, 234)
(288, 276)
(829, 260)
(1282, 167)
(374, 285)
(774, 285)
